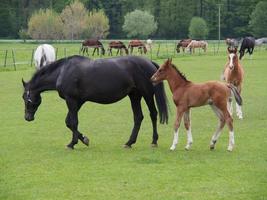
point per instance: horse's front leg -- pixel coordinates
(187, 125)
(177, 122)
(72, 123)
(94, 52)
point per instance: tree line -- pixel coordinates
(238, 17)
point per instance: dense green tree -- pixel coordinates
(258, 22)
(139, 23)
(198, 28)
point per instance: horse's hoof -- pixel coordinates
(86, 141)
(212, 148)
(69, 147)
(230, 149)
(127, 146)
(172, 148)
(154, 145)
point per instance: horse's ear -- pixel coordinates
(235, 50)
(23, 82)
(169, 61)
(228, 49)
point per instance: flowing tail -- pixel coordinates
(161, 100)
(237, 96)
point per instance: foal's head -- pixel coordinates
(32, 101)
(162, 72)
(232, 58)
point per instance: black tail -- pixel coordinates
(161, 100)
(237, 96)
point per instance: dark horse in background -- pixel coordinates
(119, 45)
(92, 43)
(139, 44)
(78, 79)
(248, 44)
(183, 43)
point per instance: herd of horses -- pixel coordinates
(119, 45)
(79, 79)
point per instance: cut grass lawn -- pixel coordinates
(34, 163)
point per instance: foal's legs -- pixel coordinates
(238, 107)
(229, 122)
(187, 125)
(177, 122)
(72, 123)
(217, 133)
(135, 98)
(230, 106)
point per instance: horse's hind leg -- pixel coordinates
(153, 115)
(217, 133)
(187, 125)
(72, 123)
(229, 122)
(135, 98)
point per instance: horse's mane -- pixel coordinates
(48, 69)
(179, 73)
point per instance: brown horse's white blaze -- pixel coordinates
(187, 95)
(234, 74)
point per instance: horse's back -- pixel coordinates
(105, 80)
(44, 50)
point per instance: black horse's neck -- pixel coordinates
(46, 78)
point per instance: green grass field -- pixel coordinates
(34, 163)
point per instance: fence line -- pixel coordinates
(160, 50)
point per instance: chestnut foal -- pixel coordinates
(187, 94)
(234, 74)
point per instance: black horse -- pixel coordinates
(78, 79)
(247, 43)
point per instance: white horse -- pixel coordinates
(261, 41)
(149, 44)
(43, 55)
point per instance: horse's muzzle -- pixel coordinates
(154, 81)
(29, 117)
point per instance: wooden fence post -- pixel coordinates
(14, 61)
(158, 50)
(32, 57)
(56, 52)
(5, 58)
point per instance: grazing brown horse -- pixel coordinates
(234, 74)
(187, 94)
(183, 43)
(92, 43)
(119, 45)
(139, 44)
(197, 44)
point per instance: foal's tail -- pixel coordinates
(161, 100)
(237, 96)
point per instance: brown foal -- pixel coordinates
(187, 94)
(234, 74)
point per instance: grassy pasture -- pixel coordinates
(34, 163)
